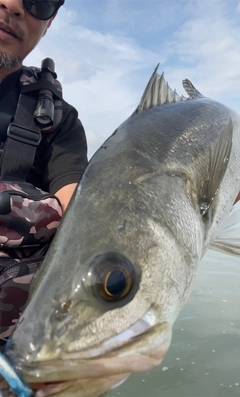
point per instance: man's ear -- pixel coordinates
(49, 24)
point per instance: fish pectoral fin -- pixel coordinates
(228, 238)
(157, 92)
(219, 156)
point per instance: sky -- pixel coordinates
(106, 50)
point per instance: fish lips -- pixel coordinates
(137, 349)
(72, 374)
(72, 388)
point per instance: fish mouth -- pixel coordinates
(72, 387)
(124, 339)
(102, 385)
(103, 366)
(139, 348)
(101, 373)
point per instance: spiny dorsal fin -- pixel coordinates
(190, 89)
(157, 92)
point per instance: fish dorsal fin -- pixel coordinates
(190, 89)
(157, 92)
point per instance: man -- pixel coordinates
(61, 156)
(61, 160)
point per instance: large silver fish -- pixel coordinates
(121, 266)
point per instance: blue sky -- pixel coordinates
(106, 50)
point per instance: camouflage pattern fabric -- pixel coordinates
(28, 216)
(15, 278)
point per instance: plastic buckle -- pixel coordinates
(24, 135)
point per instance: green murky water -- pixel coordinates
(204, 358)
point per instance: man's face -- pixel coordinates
(19, 31)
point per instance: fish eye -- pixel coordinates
(116, 284)
(111, 277)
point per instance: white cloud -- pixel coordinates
(207, 46)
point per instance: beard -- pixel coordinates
(8, 61)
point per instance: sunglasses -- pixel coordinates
(42, 9)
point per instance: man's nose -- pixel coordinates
(12, 7)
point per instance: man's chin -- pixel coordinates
(8, 61)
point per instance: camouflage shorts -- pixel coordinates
(16, 272)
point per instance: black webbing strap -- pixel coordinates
(23, 137)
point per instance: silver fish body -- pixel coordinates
(121, 266)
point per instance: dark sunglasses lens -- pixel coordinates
(42, 9)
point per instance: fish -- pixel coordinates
(120, 268)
